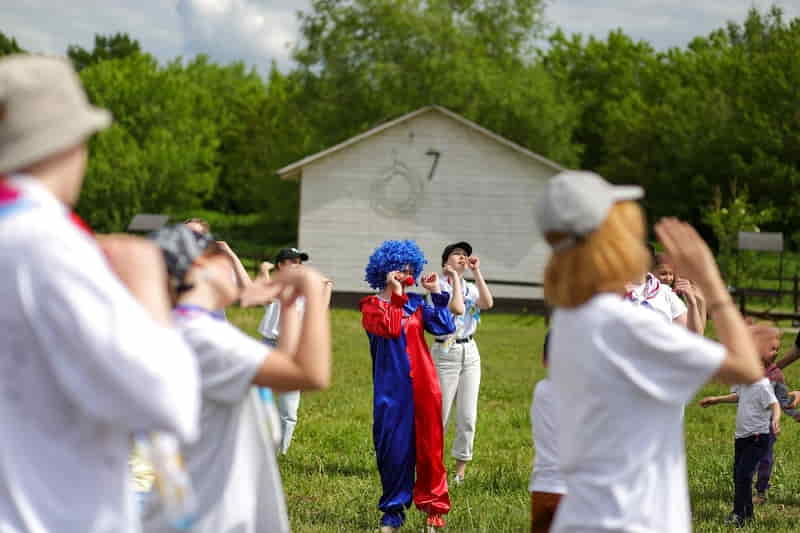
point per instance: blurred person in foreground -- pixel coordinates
(621, 448)
(547, 485)
(89, 353)
(232, 464)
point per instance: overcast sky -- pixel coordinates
(258, 31)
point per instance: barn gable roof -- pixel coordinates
(294, 170)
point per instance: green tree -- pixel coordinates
(106, 47)
(162, 154)
(274, 133)
(364, 61)
(238, 112)
(726, 221)
(686, 123)
(597, 73)
(9, 45)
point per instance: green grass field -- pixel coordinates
(332, 484)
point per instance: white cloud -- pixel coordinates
(252, 31)
(49, 26)
(665, 23)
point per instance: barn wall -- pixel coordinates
(481, 191)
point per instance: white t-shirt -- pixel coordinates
(269, 326)
(466, 324)
(753, 414)
(621, 378)
(82, 366)
(659, 297)
(232, 464)
(546, 476)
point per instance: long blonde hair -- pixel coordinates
(603, 261)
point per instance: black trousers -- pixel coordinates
(748, 453)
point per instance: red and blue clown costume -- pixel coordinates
(407, 404)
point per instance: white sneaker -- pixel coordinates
(389, 529)
(458, 480)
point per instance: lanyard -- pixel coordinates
(192, 311)
(649, 291)
(12, 201)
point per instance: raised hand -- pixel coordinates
(684, 286)
(394, 280)
(474, 262)
(301, 277)
(430, 282)
(689, 252)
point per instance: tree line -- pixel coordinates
(712, 129)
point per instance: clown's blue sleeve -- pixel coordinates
(437, 318)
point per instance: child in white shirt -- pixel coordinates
(757, 425)
(233, 464)
(757, 414)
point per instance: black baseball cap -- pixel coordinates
(450, 247)
(290, 253)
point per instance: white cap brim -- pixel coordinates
(624, 193)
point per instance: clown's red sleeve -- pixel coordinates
(383, 318)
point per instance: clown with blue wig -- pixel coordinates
(407, 404)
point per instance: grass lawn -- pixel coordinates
(332, 483)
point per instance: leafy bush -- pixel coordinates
(726, 222)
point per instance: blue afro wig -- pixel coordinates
(391, 256)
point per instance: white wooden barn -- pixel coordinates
(432, 176)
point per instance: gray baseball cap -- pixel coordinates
(577, 202)
(43, 110)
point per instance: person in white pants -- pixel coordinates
(288, 402)
(457, 359)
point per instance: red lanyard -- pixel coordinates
(13, 201)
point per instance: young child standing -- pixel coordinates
(767, 341)
(232, 465)
(287, 402)
(547, 486)
(757, 424)
(458, 361)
